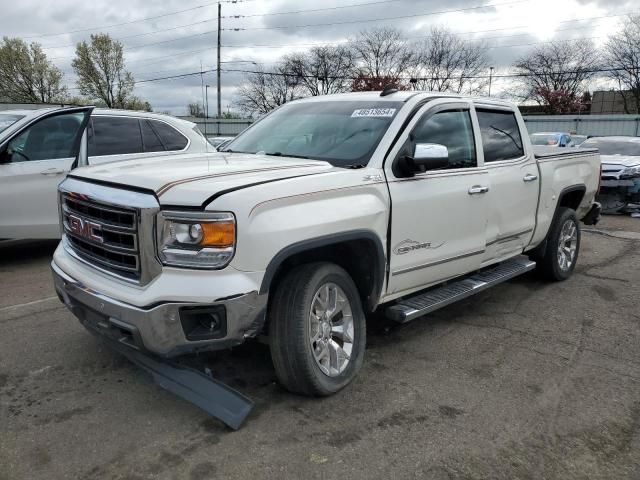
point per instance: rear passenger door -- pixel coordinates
(515, 183)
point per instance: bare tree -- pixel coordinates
(265, 90)
(446, 63)
(382, 53)
(558, 70)
(101, 71)
(622, 55)
(26, 75)
(323, 70)
(195, 109)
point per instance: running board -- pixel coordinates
(415, 306)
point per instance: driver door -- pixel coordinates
(439, 216)
(32, 163)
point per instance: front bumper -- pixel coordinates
(158, 328)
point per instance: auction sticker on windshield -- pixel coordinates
(373, 112)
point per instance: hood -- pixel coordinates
(620, 160)
(192, 179)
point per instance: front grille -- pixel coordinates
(102, 235)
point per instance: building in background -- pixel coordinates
(611, 102)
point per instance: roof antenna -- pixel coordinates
(388, 90)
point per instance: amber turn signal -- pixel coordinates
(218, 234)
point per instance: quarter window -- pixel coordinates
(500, 135)
(171, 138)
(114, 136)
(453, 129)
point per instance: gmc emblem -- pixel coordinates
(85, 228)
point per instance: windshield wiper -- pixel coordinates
(280, 154)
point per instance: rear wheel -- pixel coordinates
(558, 259)
(316, 329)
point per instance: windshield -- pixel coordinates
(537, 139)
(342, 133)
(629, 147)
(8, 119)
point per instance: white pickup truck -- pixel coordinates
(324, 210)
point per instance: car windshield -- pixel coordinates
(8, 119)
(544, 139)
(344, 134)
(630, 147)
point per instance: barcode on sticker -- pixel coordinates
(373, 112)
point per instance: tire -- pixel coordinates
(560, 255)
(292, 328)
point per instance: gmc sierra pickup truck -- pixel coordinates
(324, 210)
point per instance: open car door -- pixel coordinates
(33, 161)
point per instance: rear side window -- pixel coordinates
(500, 135)
(114, 136)
(170, 137)
(451, 128)
(150, 138)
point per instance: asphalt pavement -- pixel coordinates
(527, 380)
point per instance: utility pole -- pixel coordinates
(218, 66)
(490, 78)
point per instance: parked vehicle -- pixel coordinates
(552, 139)
(578, 140)
(620, 184)
(39, 147)
(218, 141)
(324, 210)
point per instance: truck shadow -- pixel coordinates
(22, 252)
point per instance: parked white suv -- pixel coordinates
(39, 147)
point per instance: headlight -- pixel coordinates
(195, 239)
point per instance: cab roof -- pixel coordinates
(402, 96)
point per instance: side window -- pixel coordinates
(150, 139)
(171, 138)
(500, 135)
(453, 129)
(49, 139)
(115, 136)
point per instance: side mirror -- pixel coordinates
(430, 156)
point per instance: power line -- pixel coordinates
(312, 10)
(479, 7)
(104, 27)
(509, 75)
(454, 33)
(162, 30)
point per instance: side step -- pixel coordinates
(419, 304)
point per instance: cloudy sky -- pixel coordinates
(173, 37)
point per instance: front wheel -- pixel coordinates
(316, 329)
(563, 245)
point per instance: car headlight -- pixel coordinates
(196, 239)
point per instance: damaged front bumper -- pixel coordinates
(167, 329)
(148, 336)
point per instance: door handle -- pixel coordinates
(52, 171)
(529, 177)
(476, 189)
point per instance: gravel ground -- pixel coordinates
(525, 380)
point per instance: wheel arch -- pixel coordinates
(359, 252)
(571, 197)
